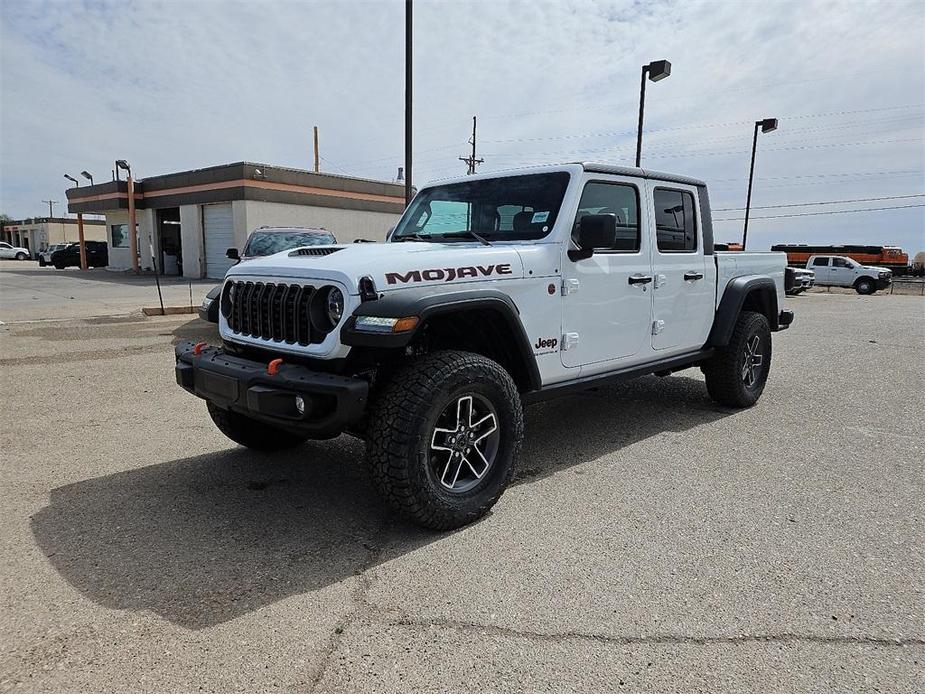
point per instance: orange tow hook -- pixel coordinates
(273, 367)
(198, 347)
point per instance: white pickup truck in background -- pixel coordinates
(493, 291)
(841, 271)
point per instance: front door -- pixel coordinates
(684, 278)
(607, 302)
(841, 273)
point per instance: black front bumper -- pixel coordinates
(333, 403)
(883, 282)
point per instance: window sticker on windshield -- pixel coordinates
(539, 217)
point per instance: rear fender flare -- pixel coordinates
(734, 297)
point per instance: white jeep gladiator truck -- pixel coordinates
(493, 291)
(841, 271)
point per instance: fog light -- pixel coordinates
(300, 404)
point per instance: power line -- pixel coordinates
(814, 214)
(821, 202)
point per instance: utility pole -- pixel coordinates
(408, 13)
(317, 155)
(471, 161)
(51, 204)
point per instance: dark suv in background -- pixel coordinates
(97, 255)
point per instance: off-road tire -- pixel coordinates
(21, 256)
(724, 371)
(865, 286)
(252, 434)
(58, 266)
(403, 415)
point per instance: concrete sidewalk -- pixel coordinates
(28, 292)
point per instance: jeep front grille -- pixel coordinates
(279, 312)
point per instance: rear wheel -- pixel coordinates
(252, 434)
(865, 285)
(59, 266)
(736, 375)
(443, 437)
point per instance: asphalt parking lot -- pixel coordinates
(653, 542)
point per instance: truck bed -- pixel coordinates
(732, 264)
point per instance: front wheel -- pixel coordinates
(737, 373)
(443, 437)
(865, 286)
(21, 256)
(252, 434)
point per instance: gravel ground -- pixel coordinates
(652, 542)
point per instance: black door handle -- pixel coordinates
(640, 279)
(693, 275)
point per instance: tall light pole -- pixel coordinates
(656, 71)
(80, 229)
(767, 125)
(408, 14)
(88, 176)
(132, 236)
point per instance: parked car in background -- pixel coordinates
(841, 271)
(262, 242)
(803, 279)
(13, 252)
(97, 255)
(44, 257)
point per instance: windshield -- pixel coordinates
(269, 242)
(507, 208)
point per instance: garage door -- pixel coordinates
(218, 231)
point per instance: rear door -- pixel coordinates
(685, 279)
(218, 235)
(607, 302)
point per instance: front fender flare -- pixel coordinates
(426, 304)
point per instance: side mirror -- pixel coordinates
(594, 231)
(233, 254)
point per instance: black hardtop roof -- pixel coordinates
(641, 173)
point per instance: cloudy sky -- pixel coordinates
(179, 85)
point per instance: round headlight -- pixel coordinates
(335, 305)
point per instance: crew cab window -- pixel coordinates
(622, 201)
(840, 262)
(675, 223)
(820, 262)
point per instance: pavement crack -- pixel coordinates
(361, 605)
(658, 639)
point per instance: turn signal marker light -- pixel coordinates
(405, 324)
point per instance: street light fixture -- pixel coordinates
(80, 229)
(132, 235)
(88, 176)
(768, 125)
(656, 71)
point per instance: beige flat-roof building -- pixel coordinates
(41, 232)
(188, 220)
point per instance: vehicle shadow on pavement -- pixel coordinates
(206, 539)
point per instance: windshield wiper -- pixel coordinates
(471, 234)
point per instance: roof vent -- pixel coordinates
(314, 251)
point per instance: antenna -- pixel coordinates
(471, 161)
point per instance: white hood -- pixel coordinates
(392, 265)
